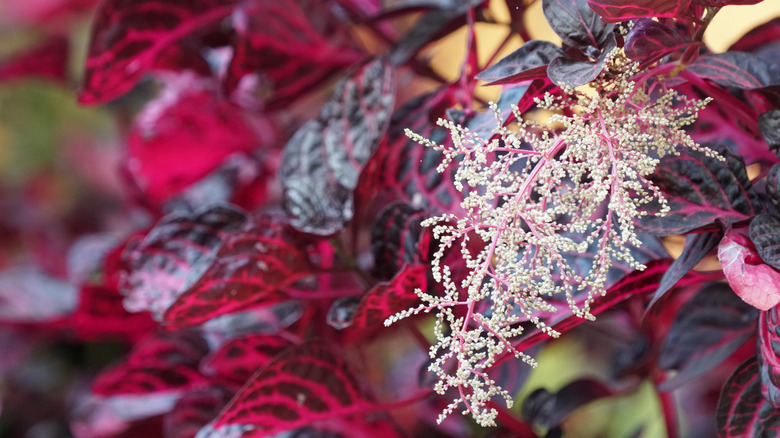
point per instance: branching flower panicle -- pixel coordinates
(533, 195)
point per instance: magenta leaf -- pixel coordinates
(307, 384)
(101, 316)
(48, 60)
(769, 354)
(546, 409)
(701, 190)
(321, 163)
(648, 41)
(769, 124)
(709, 327)
(615, 11)
(188, 122)
(763, 40)
(574, 73)
(162, 363)
(128, 36)
(576, 23)
(736, 69)
(389, 298)
(195, 410)
(721, 3)
(765, 234)
(277, 42)
(238, 359)
(173, 256)
(756, 283)
(397, 239)
(252, 267)
(528, 62)
(742, 410)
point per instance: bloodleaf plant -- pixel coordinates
(535, 193)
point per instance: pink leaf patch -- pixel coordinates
(756, 283)
(307, 384)
(101, 316)
(239, 358)
(48, 60)
(166, 362)
(386, 299)
(742, 411)
(128, 36)
(252, 267)
(615, 11)
(194, 410)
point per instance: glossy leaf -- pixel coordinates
(238, 359)
(389, 298)
(742, 410)
(701, 190)
(709, 327)
(194, 410)
(765, 234)
(769, 354)
(252, 267)
(736, 69)
(49, 60)
(127, 37)
(756, 283)
(574, 73)
(322, 162)
(615, 11)
(576, 23)
(307, 384)
(173, 256)
(287, 54)
(397, 239)
(528, 62)
(162, 363)
(189, 123)
(648, 41)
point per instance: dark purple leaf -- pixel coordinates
(742, 411)
(253, 266)
(389, 298)
(773, 185)
(763, 41)
(701, 190)
(769, 124)
(398, 239)
(576, 23)
(574, 73)
(736, 69)
(322, 162)
(238, 359)
(711, 326)
(769, 354)
(756, 283)
(194, 410)
(173, 256)
(533, 55)
(545, 409)
(127, 37)
(696, 247)
(48, 60)
(615, 11)
(277, 42)
(649, 41)
(765, 234)
(164, 362)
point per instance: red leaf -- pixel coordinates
(194, 410)
(238, 359)
(388, 298)
(277, 41)
(127, 37)
(166, 362)
(101, 316)
(252, 267)
(189, 124)
(308, 384)
(615, 11)
(756, 283)
(721, 3)
(742, 410)
(48, 60)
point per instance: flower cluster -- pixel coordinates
(533, 194)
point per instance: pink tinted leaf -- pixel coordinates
(48, 60)
(769, 354)
(307, 384)
(756, 283)
(742, 410)
(736, 69)
(321, 163)
(389, 298)
(253, 267)
(29, 295)
(162, 363)
(173, 255)
(238, 359)
(398, 239)
(183, 123)
(101, 316)
(277, 42)
(721, 3)
(194, 410)
(127, 37)
(648, 41)
(615, 11)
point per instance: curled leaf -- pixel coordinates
(756, 283)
